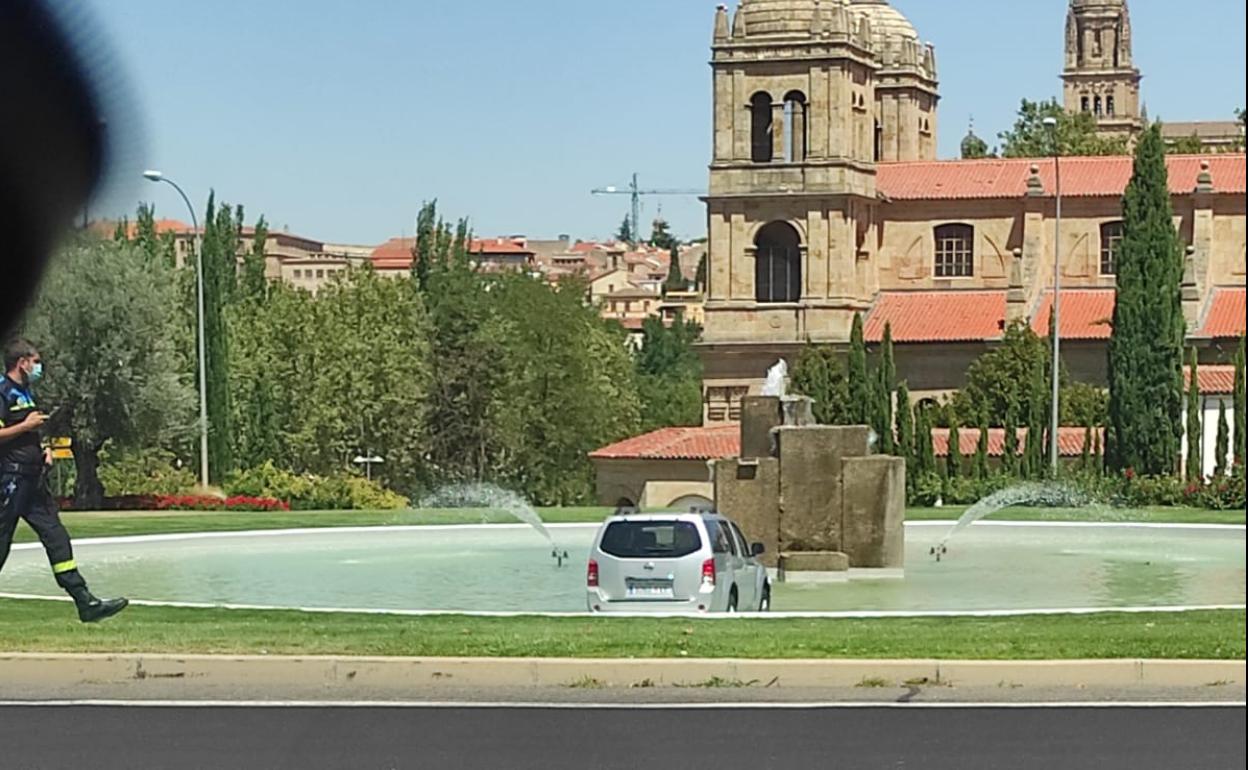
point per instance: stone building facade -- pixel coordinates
(826, 201)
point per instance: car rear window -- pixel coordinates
(651, 539)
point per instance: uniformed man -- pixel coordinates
(24, 489)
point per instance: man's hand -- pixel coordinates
(34, 421)
(47, 457)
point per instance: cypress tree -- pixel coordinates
(888, 384)
(859, 385)
(905, 429)
(1195, 434)
(220, 257)
(981, 449)
(1224, 440)
(1034, 453)
(1238, 408)
(675, 276)
(1009, 460)
(923, 442)
(1146, 347)
(423, 252)
(1085, 459)
(953, 459)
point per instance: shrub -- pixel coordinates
(147, 472)
(314, 493)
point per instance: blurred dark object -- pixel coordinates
(52, 144)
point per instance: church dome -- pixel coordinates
(778, 18)
(886, 21)
(792, 18)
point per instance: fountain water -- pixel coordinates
(489, 497)
(777, 380)
(1049, 495)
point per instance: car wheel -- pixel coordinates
(764, 604)
(732, 600)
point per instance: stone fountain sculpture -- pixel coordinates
(816, 496)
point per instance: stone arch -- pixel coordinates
(778, 263)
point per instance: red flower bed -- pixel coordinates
(209, 503)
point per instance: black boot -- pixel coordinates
(93, 610)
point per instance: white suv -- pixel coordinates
(675, 563)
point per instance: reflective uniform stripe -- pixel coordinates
(65, 566)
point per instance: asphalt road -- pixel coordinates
(172, 738)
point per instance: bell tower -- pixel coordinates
(1100, 76)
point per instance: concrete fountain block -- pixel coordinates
(747, 491)
(811, 486)
(874, 512)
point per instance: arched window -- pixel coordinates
(879, 141)
(778, 264)
(795, 127)
(1109, 106)
(763, 146)
(1097, 108)
(955, 251)
(1084, 104)
(1111, 242)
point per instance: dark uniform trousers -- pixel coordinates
(25, 494)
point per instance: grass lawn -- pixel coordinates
(43, 626)
(116, 524)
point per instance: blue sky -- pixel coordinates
(336, 118)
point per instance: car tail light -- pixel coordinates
(708, 572)
(591, 576)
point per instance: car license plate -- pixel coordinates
(649, 589)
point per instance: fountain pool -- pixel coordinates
(507, 568)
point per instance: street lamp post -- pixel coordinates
(156, 176)
(1054, 447)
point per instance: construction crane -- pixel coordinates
(636, 193)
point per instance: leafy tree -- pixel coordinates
(661, 235)
(1146, 346)
(1084, 404)
(859, 385)
(1075, 133)
(1222, 447)
(820, 374)
(252, 282)
(424, 250)
(1238, 400)
(221, 245)
(1186, 145)
(625, 233)
(1004, 376)
(103, 322)
(669, 375)
(1195, 431)
(675, 277)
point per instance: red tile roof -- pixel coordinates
(1087, 314)
(1225, 317)
(396, 253)
(500, 246)
(1069, 441)
(716, 442)
(1214, 380)
(938, 316)
(1081, 177)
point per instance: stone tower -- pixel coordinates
(1100, 75)
(809, 96)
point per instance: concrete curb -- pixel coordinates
(342, 675)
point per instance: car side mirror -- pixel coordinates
(758, 549)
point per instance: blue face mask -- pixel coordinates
(36, 373)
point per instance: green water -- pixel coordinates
(510, 569)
